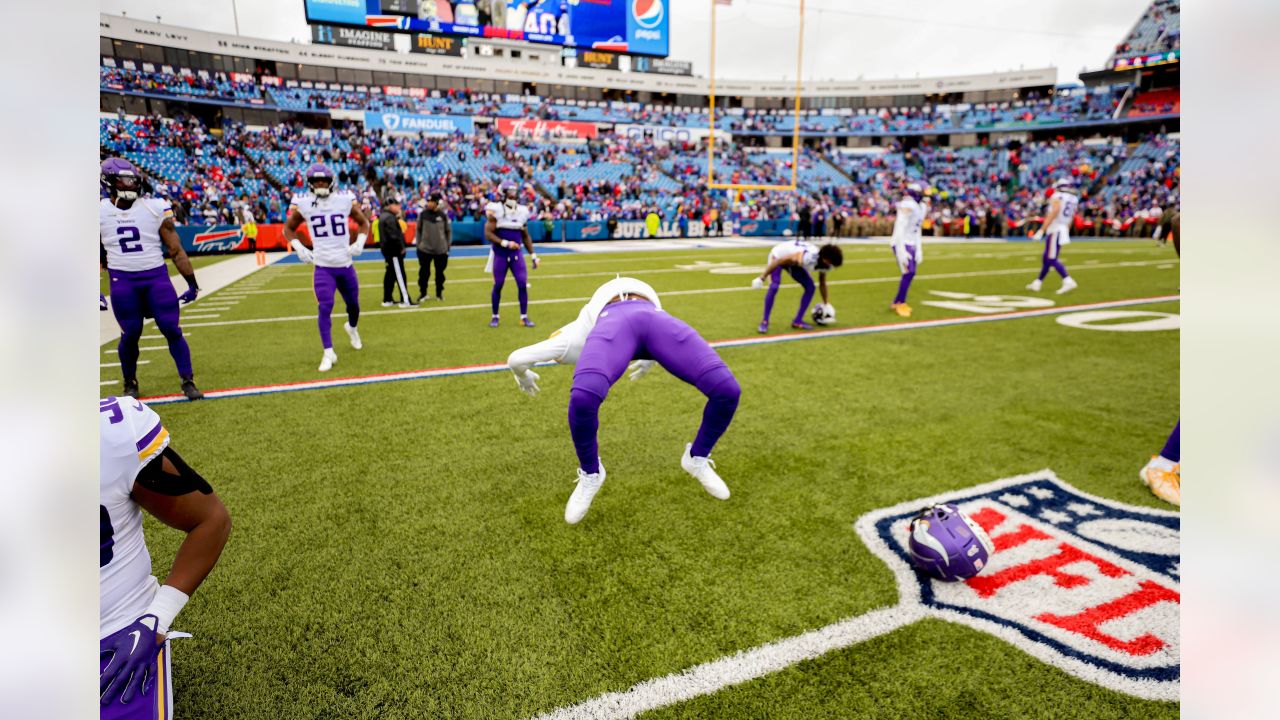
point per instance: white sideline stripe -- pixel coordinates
(112, 351)
(887, 260)
(794, 337)
(116, 364)
(706, 291)
(757, 662)
(107, 382)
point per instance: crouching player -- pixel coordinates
(801, 259)
(140, 471)
(907, 243)
(624, 321)
(1056, 232)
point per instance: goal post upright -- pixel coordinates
(795, 130)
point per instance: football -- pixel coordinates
(824, 314)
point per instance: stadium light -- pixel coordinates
(795, 131)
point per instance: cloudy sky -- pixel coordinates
(844, 39)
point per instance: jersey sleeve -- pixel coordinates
(161, 208)
(132, 435)
(493, 210)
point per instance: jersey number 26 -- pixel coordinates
(321, 226)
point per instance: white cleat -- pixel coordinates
(703, 470)
(1068, 284)
(354, 334)
(580, 501)
(1034, 286)
(326, 362)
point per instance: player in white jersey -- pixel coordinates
(140, 471)
(907, 242)
(801, 259)
(506, 229)
(328, 213)
(134, 232)
(624, 324)
(1056, 232)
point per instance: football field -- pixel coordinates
(399, 548)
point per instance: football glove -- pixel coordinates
(132, 652)
(303, 253)
(534, 258)
(757, 283)
(356, 249)
(189, 295)
(639, 369)
(1039, 235)
(102, 301)
(528, 382)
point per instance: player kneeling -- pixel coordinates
(624, 321)
(139, 471)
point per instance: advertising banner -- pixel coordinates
(631, 26)
(414, 124)
(428, 44)
(352, 37)
(598, 60)
(661, 66)
(663, 135)
(546, 130)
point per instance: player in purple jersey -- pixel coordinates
(505, 229)
(134, 232)
(327, 212)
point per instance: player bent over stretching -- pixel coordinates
(140, 471)
(624, 321)
(801, 259)
(132, 230)
(327, 213)
(1056, 232)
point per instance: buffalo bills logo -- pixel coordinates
(648, 14)
(593, 230)
(750, 227)
(214, 240)
(1083, 583)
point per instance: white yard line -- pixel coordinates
(112, 351)
(116, 364)
(713, 676)
(790, 287)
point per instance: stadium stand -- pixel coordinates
(1158, 30)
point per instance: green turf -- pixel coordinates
(399, 549)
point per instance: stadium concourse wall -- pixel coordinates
(206, 240)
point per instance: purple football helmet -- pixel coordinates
(947, 545)
(320, 179)
(510, 193)
(121, 179)
(915, 190)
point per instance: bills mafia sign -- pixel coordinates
(1083, 583)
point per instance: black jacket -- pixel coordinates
(390, 236)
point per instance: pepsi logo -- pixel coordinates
(1083, 583)
(648, 14)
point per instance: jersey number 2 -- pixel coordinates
(321, 224)
(130, 239)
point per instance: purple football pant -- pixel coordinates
(904, 285)
(504, 259)
(136, 296)
(343, 280)
(1173, 446)
(1050, 259)
(155, 702)
(635, 329)
(798, 274)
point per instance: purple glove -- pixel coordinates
(189, 295)
(132, 651)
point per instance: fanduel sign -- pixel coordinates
(414, 124)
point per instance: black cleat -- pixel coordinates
(131, 388)
(190, 390)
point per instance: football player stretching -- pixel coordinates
(624, 322)
(800, 259)
(139, 470)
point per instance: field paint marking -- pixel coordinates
(108, 382)
(112, 351)
(742, 342)
(746, 665)
(205, 316)
(116, 364)
(712, 268)
(161, 337)
(705, 291)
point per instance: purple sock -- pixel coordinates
(903, 286)
(772, 293)
(722, 392)
(1173, 446)
(802, 276)
(584, 424)
(521, 274)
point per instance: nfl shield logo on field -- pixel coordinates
(1083, 583)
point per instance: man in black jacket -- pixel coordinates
(434, 238)
(391, 238)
